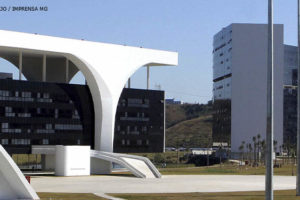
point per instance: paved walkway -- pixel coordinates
(167, 184)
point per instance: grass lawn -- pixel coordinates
(278, 195)
(227, 169)
(67, 196)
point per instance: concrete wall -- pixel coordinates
(249, 83)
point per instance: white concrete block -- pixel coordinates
(72, 161)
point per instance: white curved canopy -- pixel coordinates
(106, 68)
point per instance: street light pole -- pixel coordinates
(298, 109)
(270, 105)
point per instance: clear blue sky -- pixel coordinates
(185, 26)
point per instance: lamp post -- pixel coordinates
(270, 105)
(298, 109)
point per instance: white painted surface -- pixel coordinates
(13, 184)
(249, 83)
(72, 160)
(167, 184)
(141, 166)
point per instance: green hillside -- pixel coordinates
(188, 125)
(179, 113)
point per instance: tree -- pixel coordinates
(275, 148)
(283, 148)
(158, 158)
(241, 149)
(280, 150)
(263, 147)
(208, 146)
(220, 154)
(258, 147)
(247, 149)
(275, 145)
(250, 150)
(254, 145)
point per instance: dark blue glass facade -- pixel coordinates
(140, 121)
(39, 113)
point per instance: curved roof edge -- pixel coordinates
(36, 42)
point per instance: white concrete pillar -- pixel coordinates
(20, 65)
(148, 77)
(67, 70)
(44, 67)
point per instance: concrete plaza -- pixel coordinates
(167, 184)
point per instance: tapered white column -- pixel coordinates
(20, 65)
(44, 68)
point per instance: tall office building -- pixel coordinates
(240, 83)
